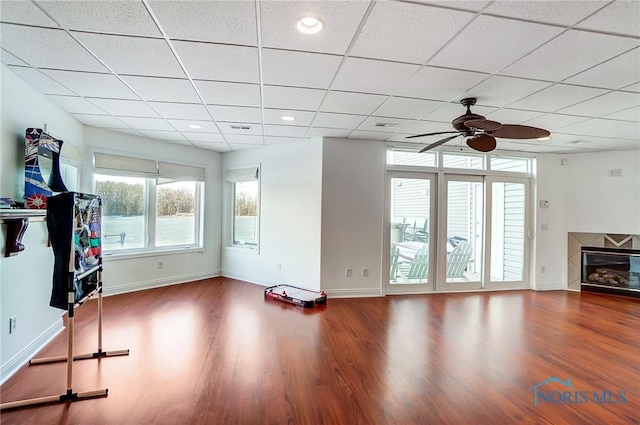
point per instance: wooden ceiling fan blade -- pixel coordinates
(438, 143)
(482, 143)
(486, 125)
(512, 131)
(431, 134)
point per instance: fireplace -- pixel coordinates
(611, 270)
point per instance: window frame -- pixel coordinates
(230, 244)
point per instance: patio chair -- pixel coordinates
(459, 259)
(393, 263)
(418, 268)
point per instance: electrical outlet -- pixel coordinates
(160, 264)
(12, 324)
(347, 272)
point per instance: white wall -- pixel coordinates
(140, 272)
(25, 279)
(582, 198)
(352, 216)
(290, 216)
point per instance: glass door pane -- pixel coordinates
(410, 221)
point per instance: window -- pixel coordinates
(399, 157)
(245, 201)
(148, 204)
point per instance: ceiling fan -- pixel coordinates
(482, 133)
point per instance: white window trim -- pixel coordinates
(233, 175)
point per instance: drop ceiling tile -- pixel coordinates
(232, 63)
(125, 108)
(184, 111)
(556, 12)
(243, 146)
(389, 76)
(603, 105)
(369, 135)
(284, 131)
(557, 97)
(90, 84)
(301, 69)
(326, 119)
(162, 135)
(215, 147)
(421, 127)
(328, 132)
(236, 94)
(501, 91)
(133, 55)
(341, 20)
(407, 32)
(9, 59)
(351, 103)
(633, 87)
(473, 5)
(40, 81)
(75, 104)
(593, 127)
(439, 84)
(449, 111)
(185, 126)
(498, 33)
(158, 124)
(162, 89)
(403, 107)
(615, 73)
(99, 121)
(630, 114)
(236, 114)
(126, 131)
(216, 21)
(624, 131)
(565, 55)
(234, 139)
(281, 140)
(292, 97)
(274, 117)
(228, 128)
(370, 124)
(513, 116)
(24, 12)
(124, 17)
(618, 17)
(204, 137)
(553, 122)
(47, 48)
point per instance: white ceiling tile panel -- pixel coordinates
(407, 32)
(624, 131)
(450, 111)
(619, 17)
(403, 107)
(204, 137)
(244, 140)
(384, 77)
(24, 12)
(236, 114)
(633, 87)
(163, 135)
(440, 84)
(162, 89)
(553, 122)
(326, 119)
(354, 103)
(99, 121)
(147, 123)
(236, 94)
(47, 48)
(631, 114)
(421, 127)
(292, 97)
(9, 59)
(281, 140)
(215, 147)
(603, 105)
(370, 124)
(133, 55)
(465, 51)
(207, 61)
(513, 116)
(125, 17)
(231, 128)
(284, 130)
(473, 5)
(616, 73)
(274, 116)
(90, 84)
(328, 132)
(126, 131)
(299, 69)
(40, 81)
(557, 97)
(593, 127)
(501, 91)
(217, 21)
(244, 146)
(125, 108)
(557, 12)
(185, 126)
(341, 20)
(566, 55)
(75, 104)
(369, 135)
(185, 111)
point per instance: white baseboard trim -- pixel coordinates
(354, 293)
(16, 362)
(250, 278)
(552, 287)
(157, 283)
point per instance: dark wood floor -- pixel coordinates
(215, 352)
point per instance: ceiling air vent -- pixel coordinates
(240, 127)
(386, 124)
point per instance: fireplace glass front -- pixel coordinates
(614, 268)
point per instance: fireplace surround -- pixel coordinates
(610, 270)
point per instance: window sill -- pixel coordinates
(115, 255)
(247, 250)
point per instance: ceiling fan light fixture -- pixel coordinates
(309, 25)
(542, 139)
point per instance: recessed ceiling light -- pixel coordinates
(309, 25)
(196, 126)
(288, 118)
